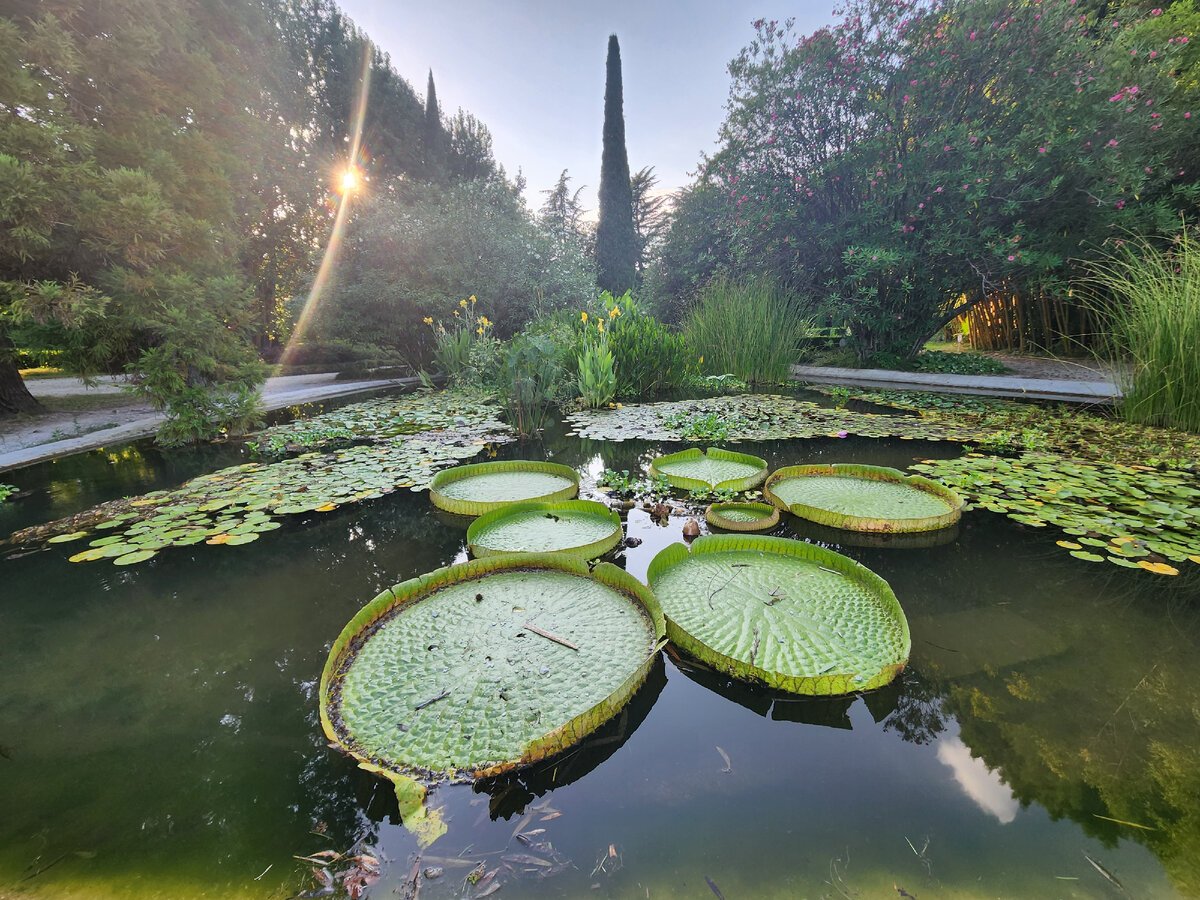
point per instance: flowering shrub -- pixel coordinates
(921, 150)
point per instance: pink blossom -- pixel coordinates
(1112, 143)
(842, 434)
(946, 149)
(1011, 258)
(972, 36)
(1041, 149)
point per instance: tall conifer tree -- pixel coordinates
(432, 138)
(616, 240)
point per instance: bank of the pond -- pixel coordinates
(107, 420)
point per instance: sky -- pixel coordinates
(533, 72)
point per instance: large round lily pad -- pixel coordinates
(583, 528)
(718, 469)
(742, 516)
(476, 489)
(863, 498)
(482, 667)
(792, 615)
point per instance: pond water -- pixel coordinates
(159, 733)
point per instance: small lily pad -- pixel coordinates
(65, 538)
(1087, 556)
(742, 516)
(130, 559)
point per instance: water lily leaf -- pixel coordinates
(488, 665)
(583, 528)
(1124, 563)
(792, 615)
(65, 538)
(742, 516)
(716, 469)
(235, 539)
(136, 557)
(475, 489)
(863, 498)
(88, 555)
(1087, 555)
(1158, 568)
(1069, 545)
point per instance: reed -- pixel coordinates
(1152, 299)
(749, 329)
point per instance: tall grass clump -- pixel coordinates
(750, 329)
(1152, 299)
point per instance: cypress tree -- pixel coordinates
(431, 140)
(616, 240)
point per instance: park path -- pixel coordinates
(25, 440)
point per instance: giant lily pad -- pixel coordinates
(863, 498)
(718, 469)
(792, 615)
(488, 665)
(742, 516)
(476, 489)
(582, 528)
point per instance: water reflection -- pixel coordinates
(978, 782)
(1073, 687)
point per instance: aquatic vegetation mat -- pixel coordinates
(582, 528)
(476, 489)
(711, 470)
(792, 615)
(1003, 425)
(381, 419)
(1132, 516)
(486, 666)
(742, 516)
(863, 498)
(236, 505)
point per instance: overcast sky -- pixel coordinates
(533, 72)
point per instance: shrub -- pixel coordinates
(530, 378)
(597, 374)
(747, 328)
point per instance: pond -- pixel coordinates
(159, 731)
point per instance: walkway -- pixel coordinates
(35, 442)
(1068, 390)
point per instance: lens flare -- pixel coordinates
(350, 183)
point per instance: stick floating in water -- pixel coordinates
(553, 637)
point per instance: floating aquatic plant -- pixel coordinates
(714, 470)
(583, 528)
(476, 489)
(863, 498)
(236, 505)
(1131, 516)
(742, 516)
(482, 667)
(789, 614)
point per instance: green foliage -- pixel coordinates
(597, 375)
(200, 367)
(616, 240)
(901, 167)
(6, 491)
(748, 328)
(414, 252)
(625, 485)
(959, 363)
(937, 361)
(706, 427)
(531, 378)
(649, 357)
(1151, 296)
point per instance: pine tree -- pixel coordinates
(616, 241)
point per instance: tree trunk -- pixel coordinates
(14, 396)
